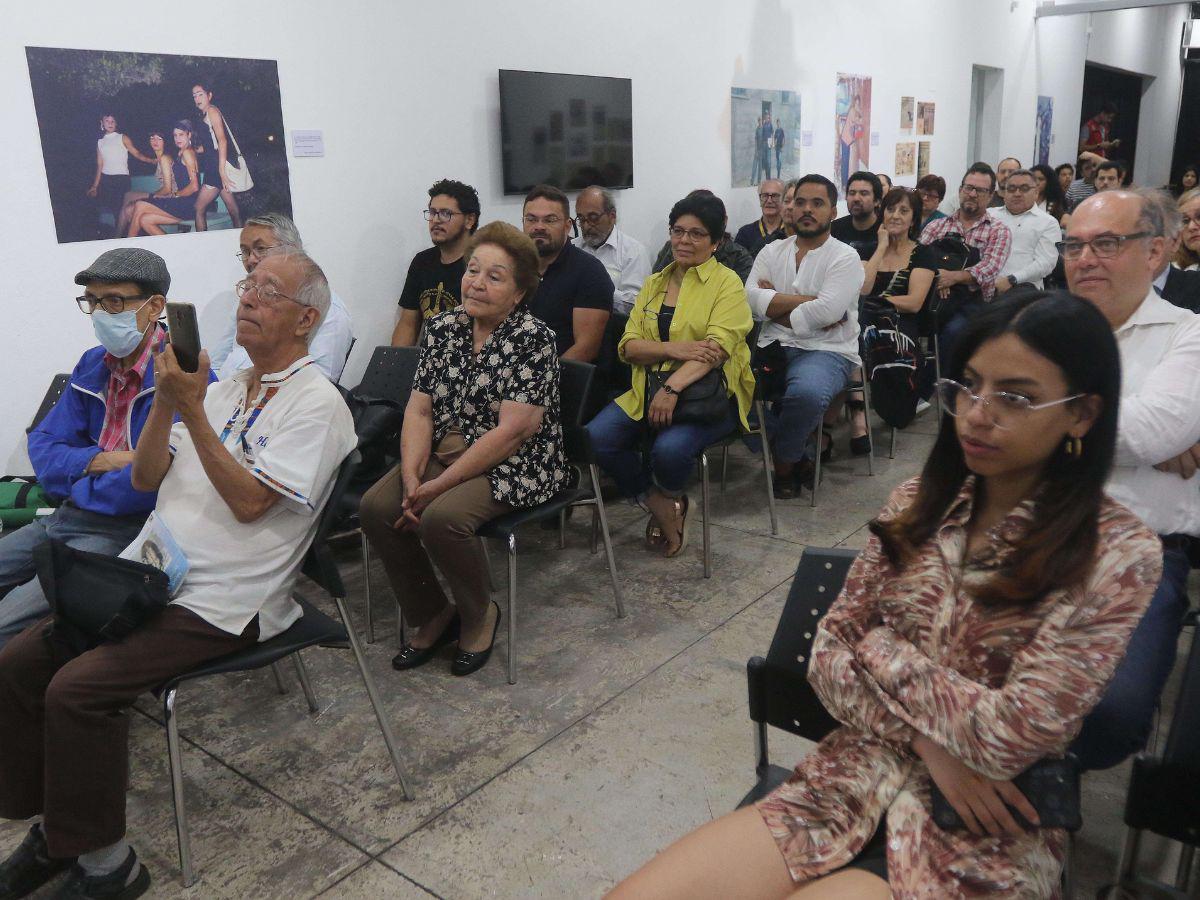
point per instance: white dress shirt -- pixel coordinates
(628, 265)
(832, 273)
(1033, 254)
(1160, 415)
(328, 347)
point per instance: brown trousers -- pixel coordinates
(446, 537)
(64, 721)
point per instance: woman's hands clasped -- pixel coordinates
(707, 351)
(982, 803)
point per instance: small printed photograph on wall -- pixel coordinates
(852, 127)
(906, 159)
(923, 159)
(1045, 122)
(155, 143)
(764, 135)
(906, 115)
(925, 118)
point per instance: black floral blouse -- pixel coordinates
(517, 362)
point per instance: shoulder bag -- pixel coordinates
(239, 175)
(702, 402)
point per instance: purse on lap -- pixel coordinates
(703, 402)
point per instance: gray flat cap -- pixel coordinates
(129, 264)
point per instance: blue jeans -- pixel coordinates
(21, 599)
(620, 443)
(814, 378)
(951, 331)
(1120, 723)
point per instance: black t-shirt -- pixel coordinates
(432, 286)
(864, 242)
(575, 280)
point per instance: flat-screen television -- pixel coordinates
(567, 130)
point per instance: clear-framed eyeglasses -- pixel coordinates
(265, 293)
(1005, 408)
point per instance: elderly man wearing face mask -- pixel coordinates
(82, 450)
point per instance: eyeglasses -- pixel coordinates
(696, 234)
(1018, 188)
(266, 293)
(1005, 409)
(260, 252)
(971, 189)
(442, 215)
(590, 218)
(113, 304)
(765, 198)
(1104, 247)
(542, 220)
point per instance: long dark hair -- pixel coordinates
(1058, 549)
(1056, 198)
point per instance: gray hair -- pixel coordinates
(285, 229)
(607, 201)
(314, 288)
(1026, 172)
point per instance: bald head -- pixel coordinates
(596, 213)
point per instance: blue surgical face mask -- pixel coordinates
(118, 332)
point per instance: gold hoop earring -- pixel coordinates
(1074, 447)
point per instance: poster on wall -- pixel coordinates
(852, 126)
(1045, 122)
(906, 158)
(154, 143)
(764, 135)
(925, 118)
(906, 114)
(923, 159)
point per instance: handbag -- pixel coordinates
(1050, 785)
(239, 175)
(22, 499)
(703, 402)
(96, 597)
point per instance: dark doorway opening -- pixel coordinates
(1101, 84)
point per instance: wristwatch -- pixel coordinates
(1012, 281)
(670, 390)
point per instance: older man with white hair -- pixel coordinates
(624, 257)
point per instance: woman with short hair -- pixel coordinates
(932, 190)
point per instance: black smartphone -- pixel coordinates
(1052, 787)
(184, 334)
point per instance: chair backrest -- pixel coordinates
(390, 373)
(318, 561)
(1183, 742)
(57, 385)
(791, 703)
(575, 387)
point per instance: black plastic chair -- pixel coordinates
(312, 629)
(57, 385)
(577, 381)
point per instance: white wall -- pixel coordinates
(406, 93)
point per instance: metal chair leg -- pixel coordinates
(1183, 874)
(892, 451)
(512, 609)
(602, 517)
(768, 465)
(762, 762)
(175, 763)
(373, 695)
(866, 392)
(305, 684)
(724, 466)
(1127, 864)
(366, 555)
(816, 466)
(595, 518)
(562, 528)
(704, 519)
(1068, 874)
(280, 685)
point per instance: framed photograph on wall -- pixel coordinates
(906, 158)
(925, 118)
(1045, 126)
(922, 159)
(153, 143)
(764, 136)
(906, 114)
(852, 127)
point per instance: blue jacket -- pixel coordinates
(63, 444)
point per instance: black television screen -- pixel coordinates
(567, 130)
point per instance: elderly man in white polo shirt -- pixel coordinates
(805, 291)
(241, 479)
(1035, 234)
(1114, 245)
(624, 257)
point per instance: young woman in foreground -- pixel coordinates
(980, 625)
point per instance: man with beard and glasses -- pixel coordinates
(804, 289)
(623, 257)
(860, 229)
(434, 281)
(575, 297)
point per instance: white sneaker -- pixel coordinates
(922, 406)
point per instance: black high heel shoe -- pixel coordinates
(467, 662)
(410, 657)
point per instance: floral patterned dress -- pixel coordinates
(517, 362)
(910, 651)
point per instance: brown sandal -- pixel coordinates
(655, 539)
(682, 507)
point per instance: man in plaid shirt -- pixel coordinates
(972, 223)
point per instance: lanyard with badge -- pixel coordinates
(250, 419)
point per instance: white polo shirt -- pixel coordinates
(1160, 415)
(328, 347)
(292, 437)
(833, 273)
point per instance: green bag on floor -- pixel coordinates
(21, 497)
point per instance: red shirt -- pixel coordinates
(1094, 133)
(123, 386)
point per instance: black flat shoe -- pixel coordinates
(29, 867)
(114, 886)
(859, 446)
(467, 662)
(410, 657)
(827, 452)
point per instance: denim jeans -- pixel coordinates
(1120, 723)
(621, 445)
(814, 378)
(21, 599)
(952, 330)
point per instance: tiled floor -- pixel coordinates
(619, 736)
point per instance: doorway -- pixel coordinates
(987, 102)
(1101, 84)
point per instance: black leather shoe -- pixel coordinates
(466, 662)
(410, 657)
(29, 867)
(859, 446)
(114, 886)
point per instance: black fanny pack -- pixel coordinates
(96, 597)
(703, 402)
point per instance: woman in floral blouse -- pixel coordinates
(980, 625)
(481, 437)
